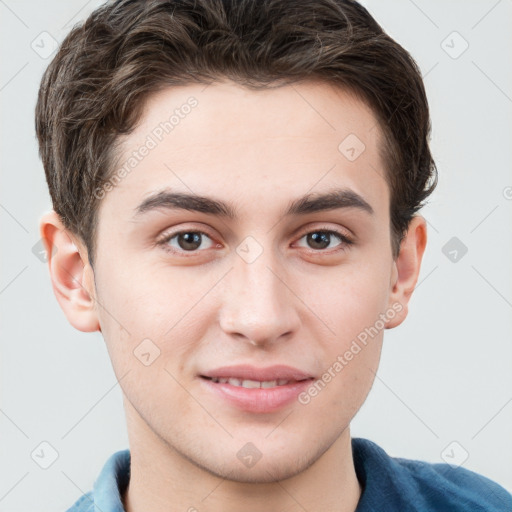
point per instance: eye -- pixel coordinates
(193, 241)
(185, 241)
(321, 239)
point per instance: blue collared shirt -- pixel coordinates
(390, 484)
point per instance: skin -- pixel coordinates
(295, 304)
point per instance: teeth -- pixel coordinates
(222, 380)
(247, 383)
(250, 383)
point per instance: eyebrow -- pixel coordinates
(310, 203)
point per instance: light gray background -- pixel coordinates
(446, 373)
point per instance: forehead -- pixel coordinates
(254, 145)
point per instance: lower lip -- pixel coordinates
(260, 400)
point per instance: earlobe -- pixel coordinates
(406, 269)
(70, 272)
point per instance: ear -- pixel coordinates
(70, 272)
(406, 269)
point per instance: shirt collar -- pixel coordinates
(112, 483)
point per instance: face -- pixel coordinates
(283, 289)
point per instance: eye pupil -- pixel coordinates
(320, 237)
(191, 241)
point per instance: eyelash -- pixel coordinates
(344, 239)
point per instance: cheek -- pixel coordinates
(351, 300)
(146, 297)
(153, 312)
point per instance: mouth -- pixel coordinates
(253, 384)
(255, 390)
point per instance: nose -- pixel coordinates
(258, 303)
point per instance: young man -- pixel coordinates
(235, 188)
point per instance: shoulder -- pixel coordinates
(423, 486)
(455, 488)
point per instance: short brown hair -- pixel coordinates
(94, 89)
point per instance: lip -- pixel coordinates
(257, 400)
(245, 371)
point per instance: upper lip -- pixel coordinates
(248, 372)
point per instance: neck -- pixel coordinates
(162, 480)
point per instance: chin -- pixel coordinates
(266, 469)
(262, 473)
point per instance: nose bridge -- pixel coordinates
(257, 304)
